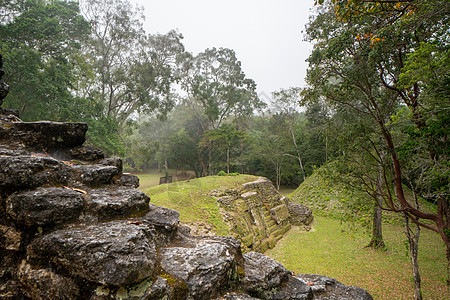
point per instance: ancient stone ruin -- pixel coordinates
(258, 215)
(73, 226)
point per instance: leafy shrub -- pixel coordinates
(221, 173)
(233, 174)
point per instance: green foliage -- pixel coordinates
(39, 45)
(102, 133)
(217, 85)
(221, 173)
(134, 73)
(330, 192)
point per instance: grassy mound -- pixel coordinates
(193, 200)
(328, 197)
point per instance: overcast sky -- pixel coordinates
(265, 34)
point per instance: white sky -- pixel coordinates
(266, 34)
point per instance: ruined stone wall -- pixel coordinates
(256, 214)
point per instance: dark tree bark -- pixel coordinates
(377, 232)
(413, 241)
(377, 221)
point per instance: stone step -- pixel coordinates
(44, 206)
(44, 135)
(93, 175)
(114, 253)
(25, 172)
(116, 202)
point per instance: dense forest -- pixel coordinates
(375, 108)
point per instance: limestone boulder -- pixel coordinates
(207, 268)
(93, 175)
(114, 253)
(113, 161)
(324, 287)
(299, 214)
(127, 180)
(163, 225)
(262, 273)
(268, 279)
(27, 172)
(44, 206)
(48, 136)
(116, 203)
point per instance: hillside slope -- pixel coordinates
(328, 197)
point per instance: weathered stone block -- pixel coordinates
(118, 202)
(206, 269)
(294, 289)
(127, 180)
(299, 214)
(113, 253)
(45, 284)
(25, 172)
(94, 175)
(262, 273)
(49, 135)
(280, 213)
(44, 206)
(113, 161)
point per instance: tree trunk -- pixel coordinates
(413, 241)
(291, 127)
(202, 164)
(228, 161)
(278, 172)
(377, 229)
(241, 158)
(377, 221)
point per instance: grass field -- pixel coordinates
(151, 177)
(333, 250)
(330, 249)
(191, 198)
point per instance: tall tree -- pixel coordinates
(40, 40)
(361, 49)
(133, 72)
(287, 102)
(217, 87)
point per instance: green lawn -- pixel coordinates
(191, 198)
(331, 249)
(151, 177)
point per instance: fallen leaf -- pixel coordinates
(134, 222)
(76, 190)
